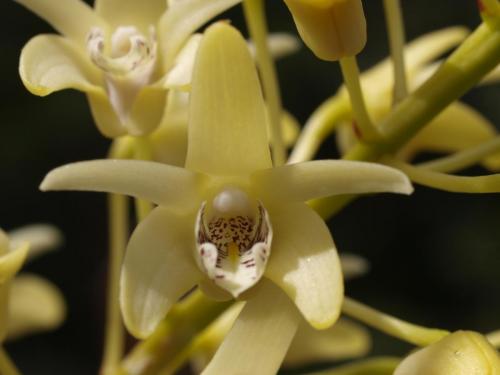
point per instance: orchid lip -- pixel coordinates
(233, 240)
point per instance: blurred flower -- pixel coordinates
(458, 127)
(124, 55)
(332, 29)
(229, 217)
(460, 353)
(29, 303)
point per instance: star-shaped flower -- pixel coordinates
(230, 222)
(124, 55)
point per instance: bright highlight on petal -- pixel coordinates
(158, 269)
(227, 125)
(259, 339)
(155, 182)
(35, 305)
(322, 178)
(305, 264)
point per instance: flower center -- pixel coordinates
(233, 240)
(128, 64)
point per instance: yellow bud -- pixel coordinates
(332, 29)
(460, 353)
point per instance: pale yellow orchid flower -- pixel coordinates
(457, 128)
(33, 304)
(344, 340)
(229, 218)
(124, 55)
(460, 353)
(332, 29)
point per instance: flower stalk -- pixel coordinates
(256, 21)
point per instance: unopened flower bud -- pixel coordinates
(332, 29)
(460, 353)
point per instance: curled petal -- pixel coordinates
(35, 305)
(322, 178)
(72, 18)
(155, 182)
(41, 237)
(227, 125)
(12, 261)
(182, 19)
(158, 269)
(131, 12)
(260, 337)
(50, 63)
(305, 264)
(181, 73)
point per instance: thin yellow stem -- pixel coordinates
(118, 234)
(371, 366)
(412, 333)
(7, 367)
(395, 26)
(448, 182)
(256, 21)
(320, 125)
(463, 159)
(350, 72)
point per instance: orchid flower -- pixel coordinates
(460, 353)
(229, 218)
(125, 55)
(457, 128)
(30, 303)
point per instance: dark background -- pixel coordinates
(435, 256)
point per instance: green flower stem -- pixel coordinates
(7, 367)
(372, 366)
(414, 334)
(395, 26)
(463, 159)
(350, 71)
(165, 349)
(142, 151)
(320, 125)
(448, 182)
(118, 234)
(478, 55)
(256, 22)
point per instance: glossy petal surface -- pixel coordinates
(322, 178)
(158, 269)
(155, 182)
(227, 126)
(259, 339)
(50, 63)
(305, 264)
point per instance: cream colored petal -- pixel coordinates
(227, 125)
(458, 127)
(353, 265)
(50, 63)
(492, 78)
(72, 18)
(158, 269)
(11, 262)
(305, 264)
(181, 73)
(290, 129)
(35, 305)
(147, 111)
(280, 45)
(4, 242)
(260, 337)
(155, 182)
(182, 19)
(141, 14)
(41, 237)
(4, 308)
(345, 340)
(322, 178)
(370, 366)
(104, 115)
